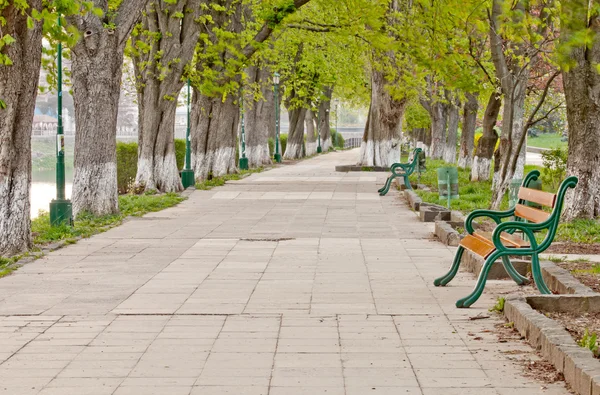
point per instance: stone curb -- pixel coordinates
(578, 365)
(432, 213)
(561, 281)
(414, 201)
(447, 234)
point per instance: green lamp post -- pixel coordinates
(277, 155)
(337, 105)
(243, 165)
(319, 149)
(61, 209)
(187, 174)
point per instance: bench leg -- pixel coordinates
(386, 188)
(483, 275)
(513, 273)
(537, 275)
(407, 183)
(446, 278)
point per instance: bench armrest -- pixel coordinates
(512, 226)
(401, 165)
(494, 215)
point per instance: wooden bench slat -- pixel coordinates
(533, 195)
(531, 214)
(507, 239)
(477, 246)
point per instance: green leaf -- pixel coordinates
(2, 105)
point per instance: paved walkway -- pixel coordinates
(294, 281)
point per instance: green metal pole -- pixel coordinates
(277, 155)
(449, 191)
(319, 149)
(61, 210)
(243, 165)
(187, 174)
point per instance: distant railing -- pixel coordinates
(353, 142)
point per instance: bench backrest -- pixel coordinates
(414, 160)
(544, 219)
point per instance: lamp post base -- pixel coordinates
(61, 212)
(187, 178)
(243, 164)
(277, 158)
(319, 150)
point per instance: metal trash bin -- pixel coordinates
(448, 183)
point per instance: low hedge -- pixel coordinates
(127, 162)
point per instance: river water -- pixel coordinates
(43, 190)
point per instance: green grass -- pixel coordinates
(579, 231)
(87, 225)
(220, 181)
(547, 141)
(593, 270)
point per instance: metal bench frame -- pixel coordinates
(403, 170)
(501, 251)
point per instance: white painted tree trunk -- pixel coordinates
(311, 136)
(295, 142)
(482, 161)
(259, 117)
(96, 74)
(18, 90)
(453, 113)
(465, 159)
(157, 164)
(324, 127)
(214, 136)
(381, 140)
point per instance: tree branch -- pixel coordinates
(265, 32)
(128, 14)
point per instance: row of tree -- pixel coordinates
(414, 62)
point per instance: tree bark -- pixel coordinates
(582, 92)
(18, 90)
(482, 162)
(214, 135)
(295, 141)
(513, 79)
(453, 112)
(260, 117)
(159, 67)
(324, 127)
(97, 62)
(467, 137)
(381, 140)
(311, 136)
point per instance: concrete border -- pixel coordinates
(578, 365)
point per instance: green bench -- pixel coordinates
(503, 242)
(404, 170)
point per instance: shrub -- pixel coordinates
(126, 165)
(337, 140)
(127, 162)
(555, 166)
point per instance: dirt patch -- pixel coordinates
(577, 324)
(534, 365)
(582, 272)
(574, 248)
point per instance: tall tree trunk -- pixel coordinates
(482, 162)
(325, 119)
(582, 92)
(159, 59)
(260, 117)
(214, 135)
(465, 159)
(453, 112)
(157, 165)
(295, 141)
(513, 79)
(311, 136)
(96, 74)
(381, 140)
(18, 90)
